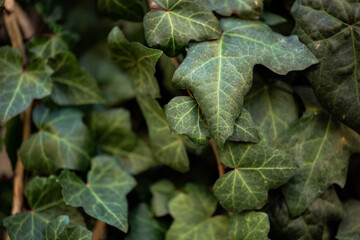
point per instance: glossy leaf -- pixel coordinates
(46, 203)
(172, 24)
(247, 9)
(138, 60)
(349, 227)
(162, 192)
(46, 47)
(18, 86)
(58, 229)
(331, 31)
(63, 141)
(103, 196)
(220, 73)
(122, 9)
(192, 211)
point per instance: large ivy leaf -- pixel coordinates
(58, 229)
(249, 226)
(18, 86)
(220, 73)
(103, 196)
(349, 227)
(72, 86)
(257, 168)
(138, 60)
(192, 212)
(320, 146)
(63, 141)
(247, 9)
(46, 47)
(162, 192)
(122, 9)
(46, 203)
(167, 148)
(331, 30)
(112, 129)
(174, 23)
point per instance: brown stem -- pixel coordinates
(24, 22)
(175, 61)
(99, 230)
(218, 161)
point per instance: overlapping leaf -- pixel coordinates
(46, 47)
(138, 60)
(331, 30)
(18, 86)
(46, 203)
(122, 9)
(246, 9)
(220, 73)
(62, 142)
(58, 229)
(245, 129)
(174, 23)
(192, 213)
(103, 196)
(349, 227)
(162, 192)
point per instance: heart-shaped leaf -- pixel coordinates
(58, 229)
(246, 9)
(122, 9)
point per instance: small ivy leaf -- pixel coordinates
(122, 9)
(144, 225)
(58, 229)
(192, 212)
(113, 135)
(63, 141)
(246, 9)
(248, 226)
(320, 146)
(330, 29)
(349, 227)
(220, 73)
(245, 129)
(46, 47)
(138, 60)
(257, 169)
(349, 236)
(174, 23)
(19, 87)
(162, 192)
(272, 19)
(45, 200)
(103, 196)
(167, 148)
(72, 86)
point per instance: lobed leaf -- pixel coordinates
(122, 9)
(247, 9)
(58, 229)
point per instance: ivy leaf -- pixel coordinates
(272, 19)
(72, 86)
(349, 227)
(330, 29)
(192, 213)
(247, 9)
(18, 87)
(220, 73)
(162, 191)
(257, 168)
(245, 129)
(103, 196)
(349, 236)
(319, 145)
(46, 203)
(249, 225)
(112, 129)
(174, 23)
(167, 148)
(46, 47)
(58, 229)
(138, 60)
(122, 9)
(63, 141)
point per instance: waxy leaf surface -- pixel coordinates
(104, 195)
(220, 73)
(350, 225)
(58, 229)
(122, 9)
(246, 9)
(162, 192)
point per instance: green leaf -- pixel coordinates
(245, 129)
(172, 24)
(192, 212)
(162, 192)
(18, 86)
(349, 236)
(144, 225)
(257, 168)
(249, 226)
(330, 29)
(320, 146)
(246, 9)
(58, 229)
(272, 19)
(63, 141)
(220, 73)
(349, 227)
(122, 9)
(46, 47)
(72, 86)
(46, 203)
(103, 196)
(138, 60)
(167, 148)
(112, 129)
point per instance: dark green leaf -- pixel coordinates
(349, 227)
(62, 142)
(46, 47)
(174, 23)
(103, 196)
(162, 192)
(272, 19)
(245, 130)
(220, 73)
(247, 9)
(122, 9)
(58, 229)
(349, 236)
